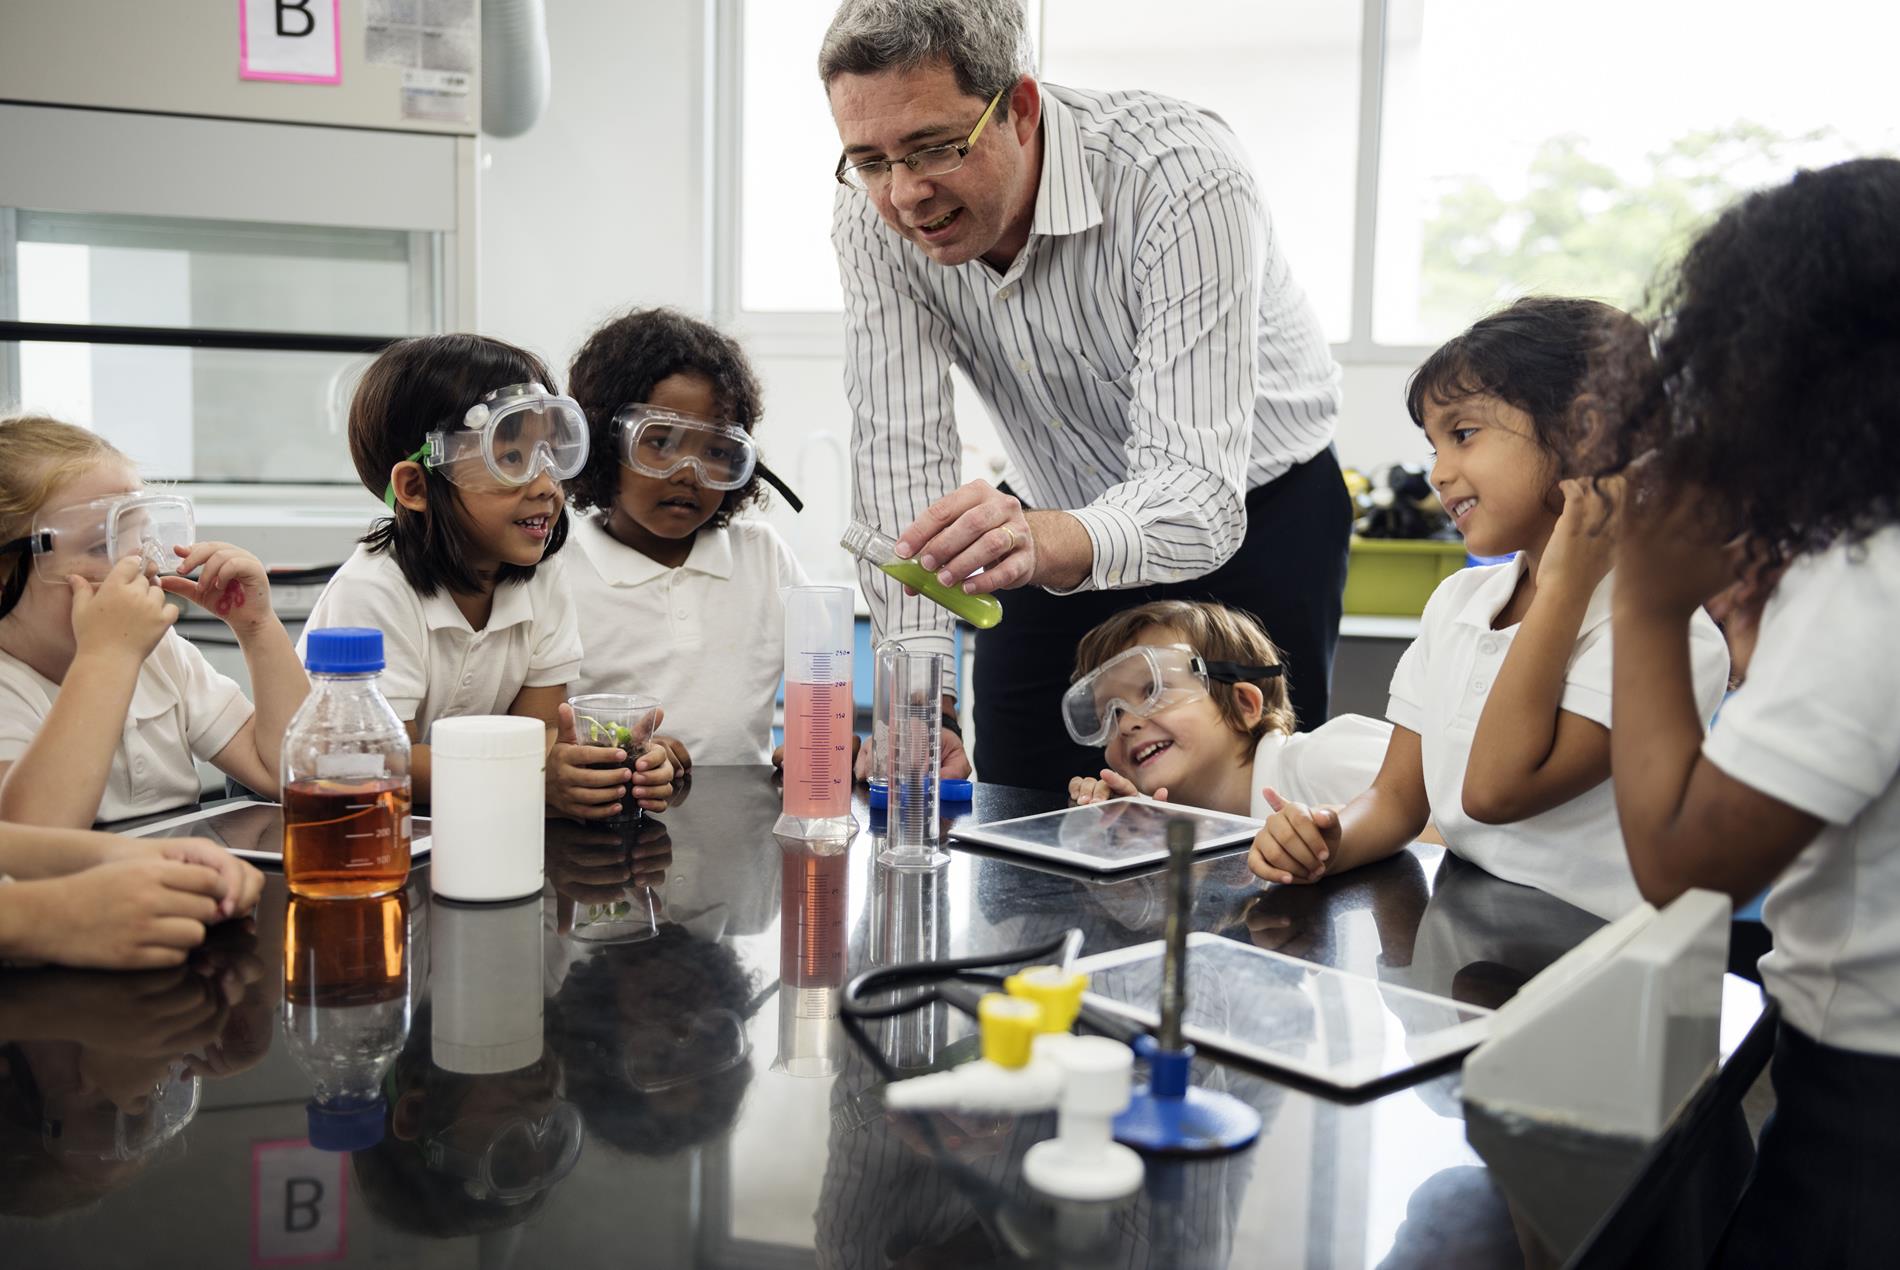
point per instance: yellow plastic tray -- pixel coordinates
(1395, 576)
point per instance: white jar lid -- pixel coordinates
(489, 736)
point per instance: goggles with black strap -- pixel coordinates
(1142, 681)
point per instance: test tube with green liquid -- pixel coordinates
(866, 543)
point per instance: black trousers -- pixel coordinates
(1826, 1186)
(1289, 572)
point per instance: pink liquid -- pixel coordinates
(817, 749)
(812, 906)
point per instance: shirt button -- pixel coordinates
(680, 613)
(1488, 647)
(1480, 686)
(138, 767)
(467, 680)
(1022, 365)
(1006, 293)
(1056, 424)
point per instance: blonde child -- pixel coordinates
(677, 599)
(103, 707)
(1189, 700)
(1769, 487)
(460, 438)
(1501, 707)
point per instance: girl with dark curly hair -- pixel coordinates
(1768, 486)
(1501, 706)
(678, 599)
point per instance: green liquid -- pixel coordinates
(980, 611)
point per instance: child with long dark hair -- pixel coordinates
(1759, 466)
(1501, 706)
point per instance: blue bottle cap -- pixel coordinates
(878, 795)
(346, 1125)
(343, 650)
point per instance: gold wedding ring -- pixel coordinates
(1012, 539)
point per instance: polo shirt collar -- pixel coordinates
(620, 565)
(1484, 604)
(1066, 202)
(512, 608)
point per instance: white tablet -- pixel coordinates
(1326, 1025)
(1123, 833)
(250, 829)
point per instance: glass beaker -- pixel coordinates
(910, 697)
(818, 714)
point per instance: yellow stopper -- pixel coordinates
(1009, 1026)
(1057, 991)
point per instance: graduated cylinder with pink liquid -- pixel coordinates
(818, 714)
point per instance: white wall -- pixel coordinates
(599, 207)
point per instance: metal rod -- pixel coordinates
(1180, 900)
(192, 337)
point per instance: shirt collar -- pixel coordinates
(620, 565)
(512, 607)
(1065, 194)
(1484, 604)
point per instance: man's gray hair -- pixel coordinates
(985, 42)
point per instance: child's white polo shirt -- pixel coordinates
(1334, 763)
(1817, 726)
(437, 666)
(707, 639)
(1574, 851)
(181, 709)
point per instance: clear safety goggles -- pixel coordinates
(520, 1160)
(658, 442)
(89, 538)
(667, 1055)
(162, 1116)
(507, 440)
(1142, 681)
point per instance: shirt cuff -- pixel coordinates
(1402, 713)
(1116, 545)
(553, 676)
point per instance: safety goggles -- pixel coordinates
(520, 1160)
(1143, 681)
(165, 1113)
(658, 442)
(89, 538)
(507, 440)
(664, 1056)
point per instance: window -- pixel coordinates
(207, 350)
(1545, 148)
(1515, 147)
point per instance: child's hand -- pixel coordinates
(122, 915)
(1583, 544)
(1297, 842)
(124, 616)
(1670, 558)
(653, 776)
(579, 785)
(232, 585)
(1110, 784)
(241, 883)
(677, 748)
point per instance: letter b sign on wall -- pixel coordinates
(300, 41)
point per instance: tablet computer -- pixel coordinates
(250, 829)
(1123, 833)
(1329, 1026)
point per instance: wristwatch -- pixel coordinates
(950, 724)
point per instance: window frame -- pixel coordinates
(819, 333)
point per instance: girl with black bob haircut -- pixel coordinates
(1757, 468)
(1524, 648)
(462, 439)
(678, 600)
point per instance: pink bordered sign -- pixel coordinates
(291, 41)
(299, 1210)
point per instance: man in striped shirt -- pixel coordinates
(1103, 268)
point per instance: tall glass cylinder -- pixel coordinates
(818, 714)
(911, 701)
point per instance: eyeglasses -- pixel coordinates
(875, 174)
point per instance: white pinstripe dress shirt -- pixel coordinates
(1148, 357)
